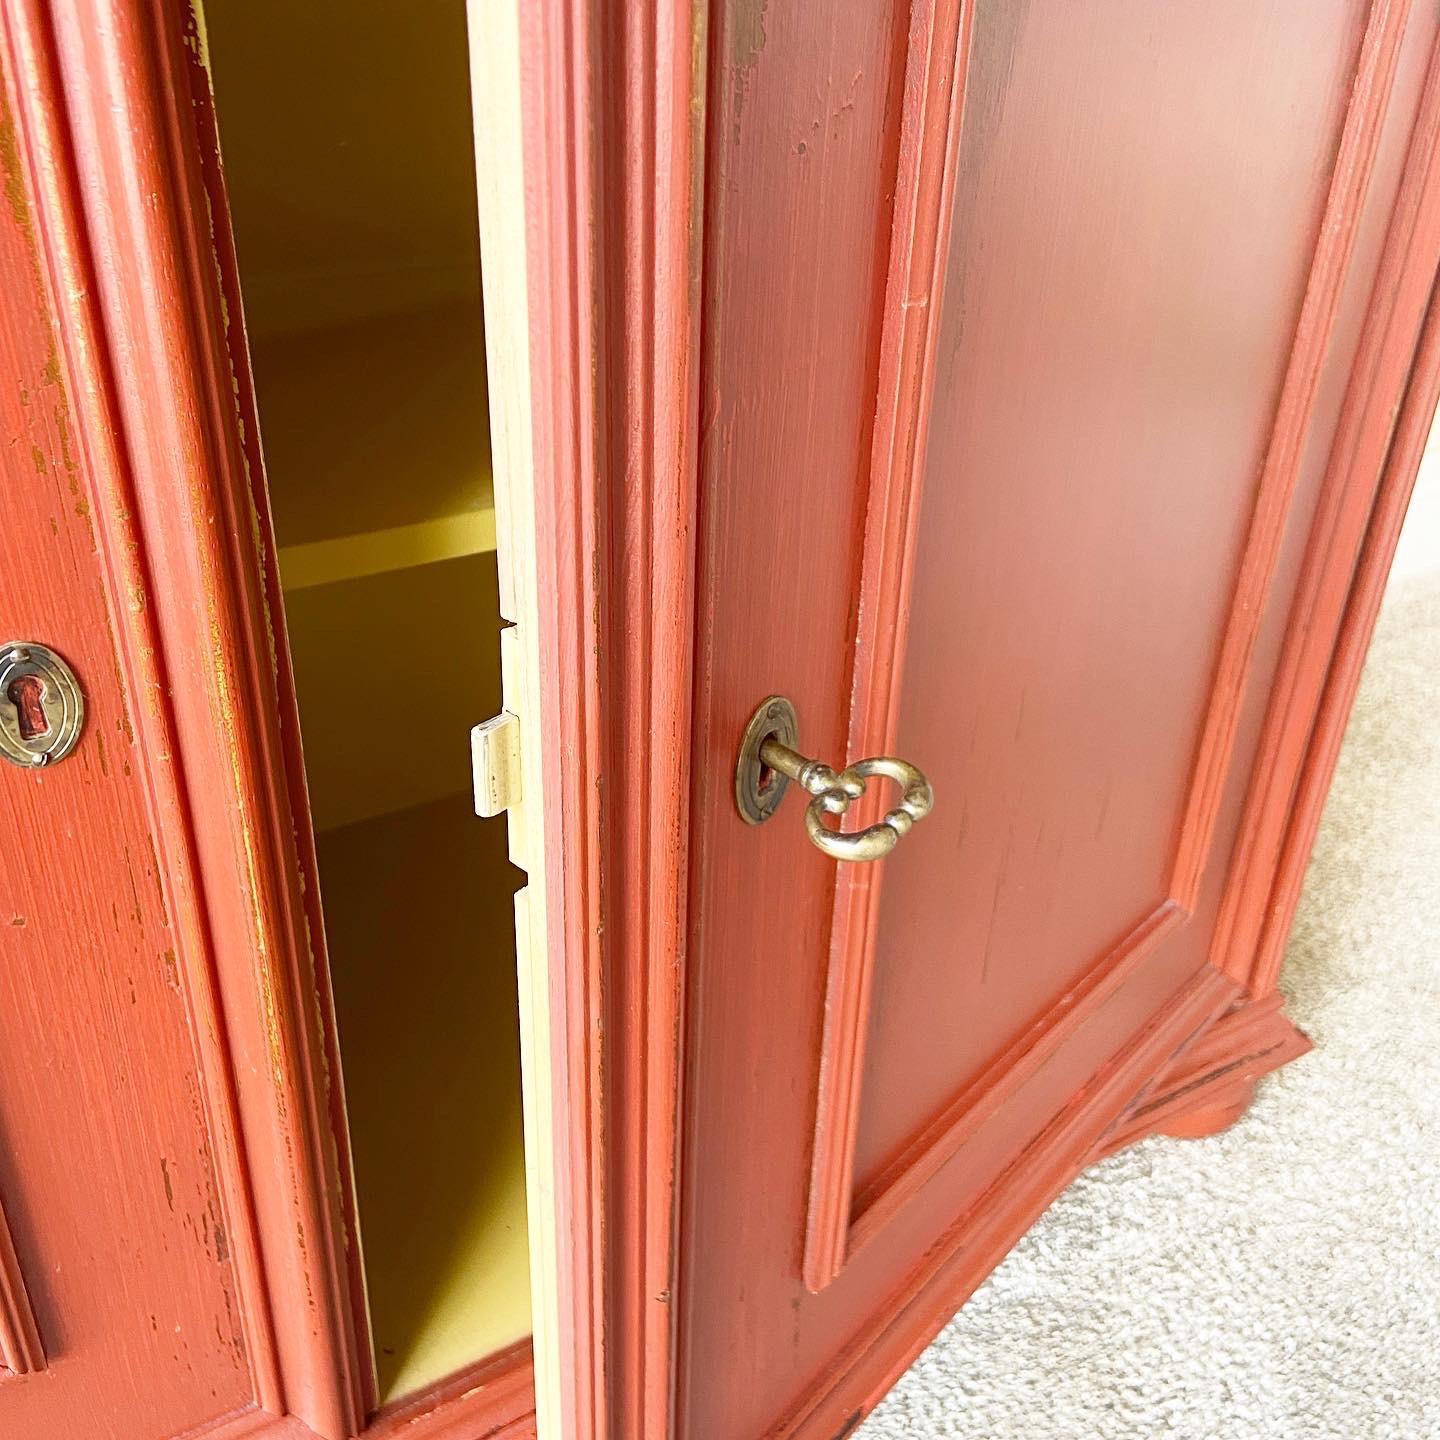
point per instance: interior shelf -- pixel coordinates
(422, 944)
(377, 443)
(392, 670)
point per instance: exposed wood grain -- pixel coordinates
(220, 1054)
(230, 823)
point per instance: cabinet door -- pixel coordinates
(1032, 334)
(121, 1308)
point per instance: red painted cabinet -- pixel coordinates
(1028, 392)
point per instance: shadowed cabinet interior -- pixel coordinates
(348, 141)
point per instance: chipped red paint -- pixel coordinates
(110, 1166)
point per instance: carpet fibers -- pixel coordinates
(1280, 1281)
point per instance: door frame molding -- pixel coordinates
(613, 108)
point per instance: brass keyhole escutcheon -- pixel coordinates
(42, 709)
(758, 787)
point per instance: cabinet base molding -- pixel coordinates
(976, 1243)
(252, 1423)
(491, 1400)
(1212, 1119)
(1210, 1084)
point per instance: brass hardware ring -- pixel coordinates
(769, 761)
(874, 840)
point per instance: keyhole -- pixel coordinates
(27, 695)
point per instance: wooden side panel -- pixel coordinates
(1413, 426)
(1357, 464)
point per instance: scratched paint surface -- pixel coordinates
(106, 1170)
(1100, 412)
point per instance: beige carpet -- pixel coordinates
(1280, 1281)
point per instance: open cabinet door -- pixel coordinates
(1051, 354)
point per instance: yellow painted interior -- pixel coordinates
(428, 1021)
(376, 427)
(347, 139)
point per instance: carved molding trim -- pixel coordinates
(21, 1352)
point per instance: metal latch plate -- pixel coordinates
(495, 759)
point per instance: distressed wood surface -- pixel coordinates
(1088, 663)
(935, 67)
(1090, 792)
(109, 1170)
(1210, 1081)
(491, 1400)
(651, 146)
(1414, 422)
(164, 373)
(231, 822)
(113, 308)
(884, 616)
(1293, 437)
(600, 572)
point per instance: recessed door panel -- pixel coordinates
(1126, 269)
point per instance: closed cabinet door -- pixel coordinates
(1033, 331)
